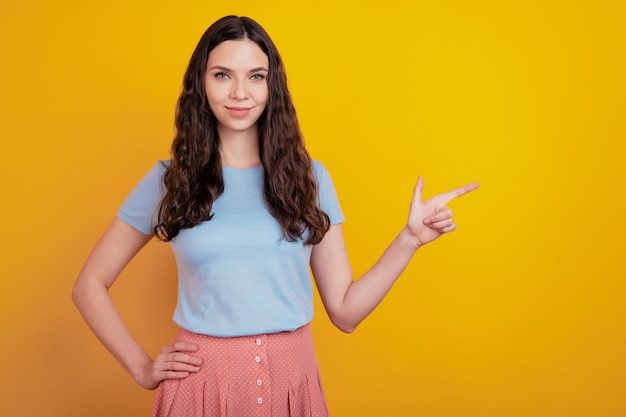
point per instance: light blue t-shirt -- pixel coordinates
(237, 276)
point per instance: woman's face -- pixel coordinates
(236, 85)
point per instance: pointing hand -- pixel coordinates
(431, 218)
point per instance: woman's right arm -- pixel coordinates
(117, 246)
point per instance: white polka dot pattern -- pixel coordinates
(272, 375)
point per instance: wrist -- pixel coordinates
(409, 239)
(139, 367)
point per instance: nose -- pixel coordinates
(239, 90)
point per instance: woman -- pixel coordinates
(246, 211)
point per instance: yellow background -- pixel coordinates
(518, 313)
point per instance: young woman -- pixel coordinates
(246, 211)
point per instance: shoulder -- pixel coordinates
(152, 180)
(319, 169)
(329, 202)
(161, 165)
(155, 173)
(140, 206)
(323, 177)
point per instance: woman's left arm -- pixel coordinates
(348, 302)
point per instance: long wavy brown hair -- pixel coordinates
(194, 178)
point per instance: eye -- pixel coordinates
(258, 77)
(221, 75)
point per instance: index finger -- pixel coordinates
(442, 199)
(181, 346)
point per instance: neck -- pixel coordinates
(240, 150)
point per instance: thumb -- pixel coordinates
(419, 187)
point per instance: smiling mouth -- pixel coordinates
(239, 111)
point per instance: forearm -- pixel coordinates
(347, 301)
(363, 295)
(97, 308)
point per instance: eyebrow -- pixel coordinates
(221, 68)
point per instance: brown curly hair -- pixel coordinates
(194, 178)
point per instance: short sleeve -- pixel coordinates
(140, 207)
(329, 202)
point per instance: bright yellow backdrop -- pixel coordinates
(518, 313)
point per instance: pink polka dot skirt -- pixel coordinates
(271, 375)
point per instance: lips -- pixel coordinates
(239, 111)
